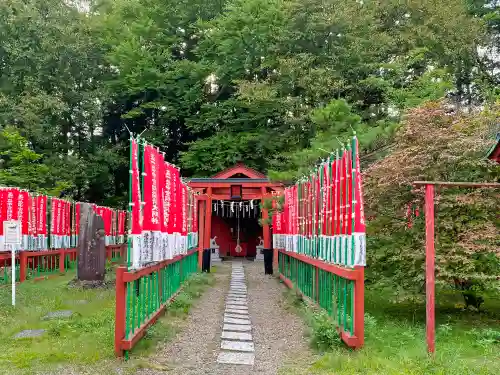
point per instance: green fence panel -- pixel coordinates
(331, 292)
(42, 266)
(147, 295)
(6, 271)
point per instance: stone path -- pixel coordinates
(275, 341)
(237, 342)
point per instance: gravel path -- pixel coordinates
(277, 333)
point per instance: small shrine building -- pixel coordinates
(230, 210)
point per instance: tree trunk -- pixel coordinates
(91, 245)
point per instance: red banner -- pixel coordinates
(54, 209)
(167, 199)
(136, 192)
(121, 222)
(77, 219)
(195, 213)
(359, 213)
(175, 204)
(151, 219)
(23, 211)
(349, 193)
(63, 217)
(41, 214)
(160, 162)
(184, 209)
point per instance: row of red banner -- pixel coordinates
(35, 212)
(163, 208)
(323, 216)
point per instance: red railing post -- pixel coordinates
(120, 310)
(359, 306)
(61, 260)
(429, 268)
(23, 264)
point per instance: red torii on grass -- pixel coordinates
(430, 253)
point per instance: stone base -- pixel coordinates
(214, 255)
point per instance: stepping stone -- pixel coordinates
(234, 311)
(237, 321)
(236, 307)
(235, 358)
(236, 328)
(240, 303)
(29, 333)
(61, 314)
(238, 336)
(232, 300)
(236, 316)
(239, 346)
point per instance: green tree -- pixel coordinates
(435, 145)
(19, 165)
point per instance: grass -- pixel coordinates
(467, 342)
(86, 340)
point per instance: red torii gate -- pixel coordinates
(232, 184)
(430, 254)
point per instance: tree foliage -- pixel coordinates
(436, 145)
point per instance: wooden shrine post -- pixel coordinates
(201, 231)
(208, 219)
(91, 245)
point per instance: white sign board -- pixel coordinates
(12, 236)
(12, 232)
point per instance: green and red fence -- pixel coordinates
(50, 228)
(162, 247)
(143, 294)
(319, 234)
(39, 265)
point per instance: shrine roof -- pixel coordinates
(229, 180)
(240, 169)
